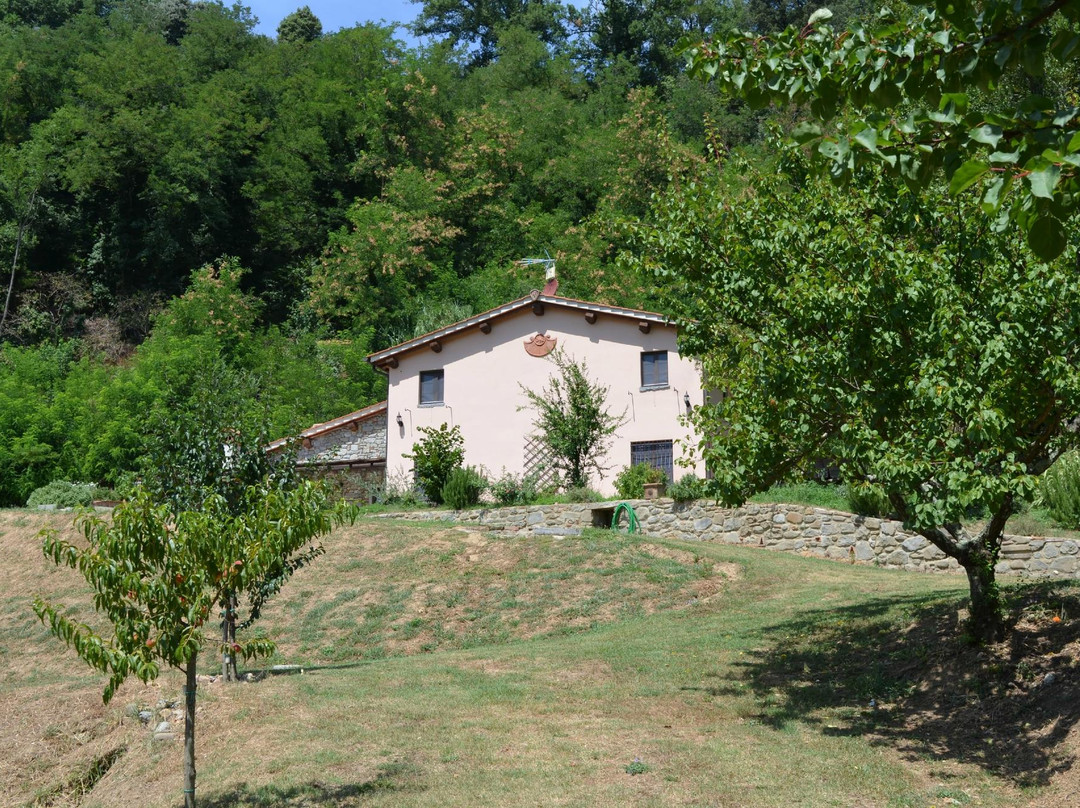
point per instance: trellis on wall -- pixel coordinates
(538, 465)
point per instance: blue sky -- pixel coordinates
(334, 14)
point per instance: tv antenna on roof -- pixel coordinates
(548, 263)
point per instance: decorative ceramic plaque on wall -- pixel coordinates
(540, 345)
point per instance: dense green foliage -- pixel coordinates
(630, 482)
(573, 419)
(341, 192)
(435, 457)
(930, 356)
(68, 411)
(1059, 490)
(64, 494)
(687, 488)
(514, 489)
(463, 488)
(981, 90)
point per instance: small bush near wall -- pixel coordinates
(689, 487)
(1059, 490)
(511, 489)
(630, 482)
(64, 494)
(438, 453)
(463, 488)
(868, 500)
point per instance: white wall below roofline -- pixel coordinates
(485, 373)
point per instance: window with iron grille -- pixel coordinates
(654, 369)
(431, 387)
(657, 453)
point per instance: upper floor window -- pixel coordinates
(654, 369)
(431, 387)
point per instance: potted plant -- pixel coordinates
(655, 483)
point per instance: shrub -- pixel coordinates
(868, 499)
(630, 482)
(463, 488)
(1059, 490)
(510, 489)
(64, 494)
(582, 493)
(435, 456)
(688, 488)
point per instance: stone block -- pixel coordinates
(703, 523)
(888, 528)
(846, 541)
(535, 518)
(871, 523)
(1069, 547)
(1065, 564)
(913, 543)
(830, 529)
(795, 518)
(864, 551)
(897, 558)
(1049, 550)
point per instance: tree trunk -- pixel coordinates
(189, 734)
(228, 639)
(987, 621)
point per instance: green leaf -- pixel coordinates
(805, 132)
(1047, 238)
(1044, 180)
(968, 173)
(868, 138)
(987, 133)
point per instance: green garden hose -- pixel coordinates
(633, 526)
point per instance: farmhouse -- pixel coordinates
(471, 374)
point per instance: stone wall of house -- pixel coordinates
(368, 442)
(356, 484)
(810, 531)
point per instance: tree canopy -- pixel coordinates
(920, 91)
(933, 359)
(300, 26)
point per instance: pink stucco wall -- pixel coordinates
(484, 374)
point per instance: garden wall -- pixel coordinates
(806, 530)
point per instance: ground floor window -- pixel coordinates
(657, 453)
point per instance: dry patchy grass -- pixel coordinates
(735, 677)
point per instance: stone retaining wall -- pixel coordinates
(806, 530)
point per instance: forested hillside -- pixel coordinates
(184, 203)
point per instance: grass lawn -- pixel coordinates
(446, 667)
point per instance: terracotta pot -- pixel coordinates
(654, 490)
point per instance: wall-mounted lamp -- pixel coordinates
(686, 401)
(400, 421)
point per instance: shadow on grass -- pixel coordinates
(390, 777)
(898, 672)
